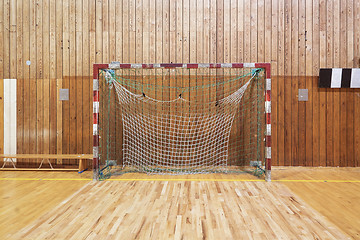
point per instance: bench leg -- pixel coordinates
(6, 160)
(41, 163)
(48, 162)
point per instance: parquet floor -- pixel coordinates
(70, 206)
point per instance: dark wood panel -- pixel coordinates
(325, 133)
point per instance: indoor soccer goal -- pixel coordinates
(182, 118)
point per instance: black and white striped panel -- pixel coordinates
(339, 78)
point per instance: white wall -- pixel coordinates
(10, 116)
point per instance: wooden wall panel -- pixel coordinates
(62, 39)
(6, 38)
(1, 116)
(2, 31)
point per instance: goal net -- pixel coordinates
(180, 119)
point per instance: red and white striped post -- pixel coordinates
(96, 97)
(267, 68)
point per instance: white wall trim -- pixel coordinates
(9, 116)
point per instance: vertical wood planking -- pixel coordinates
(46, 116)
(59, 38)
(118, 30)
(227, 32)
(1, 116)
(159, 24)
(315, 94)
(289, 160)
(19, 61)
(2, 48)
(52, 77)
(343, 103)
(302, 84)
(6, 38)
(12, 40)
(53, 114)
(32, 85)
(261, 31)
(125, 32)
(281, 79)
(309, 83)
(39, 104)
(240, 30)
(59, 35)
(46, 76)
(274, 38)
(39, 77)
(336, 93)
(179, 31)
(59, 121)
(200, 31)
(72, 81)
(52, 39)
(274, 85)
(350, 93)
(281, 38)
(247, 30)
(98, 15)
(166, 31)
(329, 92)
(105, 33)
(322, 94)
(146, 32)
(26, 74)
(79, 73)
(192, 31)
(357, 92)
(309, 37)
(220, 30)
(213, 20)
(65, 113)
(19, 75)
(62, 39)
(139, 32)
(254, 30)
(132, 31)
(294, 82)
(46, 39)
(267, 35)
(92, 60)
(233, 33)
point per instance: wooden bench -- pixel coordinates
(82, 157)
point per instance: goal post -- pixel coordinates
(174, 118)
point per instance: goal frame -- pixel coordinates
(117, 65)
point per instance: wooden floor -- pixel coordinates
(333, 192)
(49, 205)
(25, 196)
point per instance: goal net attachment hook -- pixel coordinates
(255, 72)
